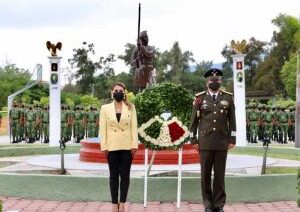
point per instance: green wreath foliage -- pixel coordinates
(158, 99)
(167, 96)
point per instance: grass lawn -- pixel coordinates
(282, 170)
(283, 153)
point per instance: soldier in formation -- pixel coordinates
(31, 123)
(267, 123)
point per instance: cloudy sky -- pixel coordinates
(203, 27)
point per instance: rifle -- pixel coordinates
(138, 37)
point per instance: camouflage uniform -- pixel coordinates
(254, 117)
(38, 122)
(22, 122)
(91, 125)
(30, 124)
(267, 122)
(78, 125)
(15, 122)
(275, 123)
(97, 114)
(283, 125)
(292, 123)
(45, 118)
(70, 123)
(64, 124)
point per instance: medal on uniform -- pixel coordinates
(225, 103)
(221, 111)
(198, 113)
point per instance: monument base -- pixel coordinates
(90, 152)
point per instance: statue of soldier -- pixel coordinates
(45, 119)
(30, 124)
(254, 122)
(142, 60)
(64, 123)
(291, 122)
(283, 125)
(14, 116)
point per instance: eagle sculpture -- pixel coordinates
(238, 47)
(52, 48)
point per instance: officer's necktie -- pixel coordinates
(214, 97)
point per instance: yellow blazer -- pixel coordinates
(116, 135)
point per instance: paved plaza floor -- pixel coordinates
(26, 205)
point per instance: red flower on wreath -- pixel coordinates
(175, 131)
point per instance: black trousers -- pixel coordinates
(216, 160)
(119, 163)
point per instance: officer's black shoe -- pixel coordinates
(209, 210)
(218, 210)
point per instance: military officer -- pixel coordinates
(214, 118)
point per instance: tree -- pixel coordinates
(12, 79)
(255, 52)
(86, 68)
(288, 75)
(284, 43)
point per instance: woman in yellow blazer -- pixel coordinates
(119, 140)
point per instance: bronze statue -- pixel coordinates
(52, 48)
(142, 60)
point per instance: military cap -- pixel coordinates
(214, 72)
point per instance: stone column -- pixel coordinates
(239, 98)
(55, 108)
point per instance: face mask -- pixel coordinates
(118, 96)
(214, 86)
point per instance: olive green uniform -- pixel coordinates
(30, 125)
(215, 122)
(45, 118)
(15, 123)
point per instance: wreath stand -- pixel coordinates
(147, 171)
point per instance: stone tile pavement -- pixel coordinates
(27, 205)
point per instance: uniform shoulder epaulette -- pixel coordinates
(227, 92)
(200, 93)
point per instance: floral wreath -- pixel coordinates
(158, 134)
